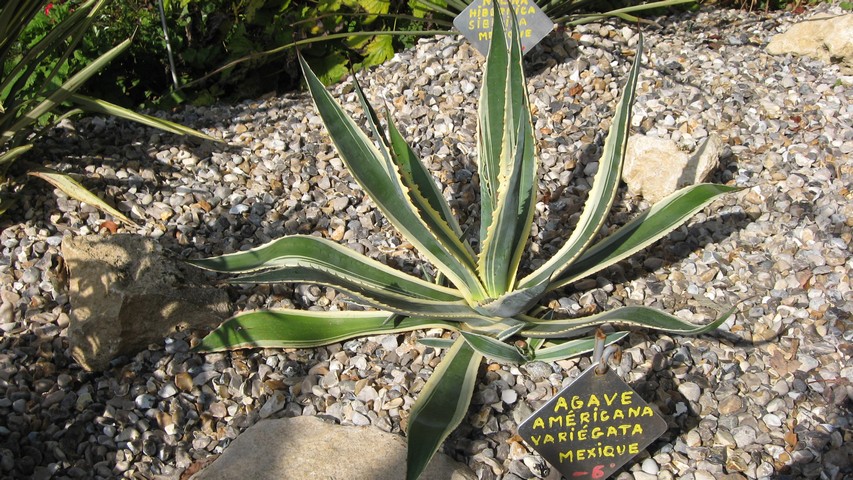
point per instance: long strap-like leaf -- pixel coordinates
(604, 186)
(637, 316)
(512, 214)
(399, 158)
(303, 329)
(647, 228)
(493, 348)
(490, 125)
(431, 204)
(75, 190)
(64, 92)
(94, 105)
(310, 251)
(366, 165)
(441, 405)
(366, 293)
(573, 348)
(9, 156)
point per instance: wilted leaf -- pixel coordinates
(78, 192)
(110, 225)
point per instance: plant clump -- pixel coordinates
(495, 312)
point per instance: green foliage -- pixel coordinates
(495, 312)
(234, 49)
(42, 70)
(207, 34)
(112, 23)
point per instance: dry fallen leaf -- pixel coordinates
(575, 89)
(109, 225)
(782, 365)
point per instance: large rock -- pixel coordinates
(125, 294)
(825, 37)
(309, 448)
(656, 167)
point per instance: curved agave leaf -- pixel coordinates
(9, 156)
(436, 342)
(426, 197)
(441, 405)
(512, 303)
(493, 348)
(647, 228)
(603, 191)
(365, 164)
(397, 154)
(375, 128)
(573, 348)
(302, 329)
(512, 213)
(509, 332)
(366, 293)
(490, 126)
(502, 352)
(429, 200)
(636, 316)
(315, 252)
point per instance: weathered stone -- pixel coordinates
(308, 447)
(824, 37)
(656, 167)
(125, 294)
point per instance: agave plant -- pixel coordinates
(484, 300)
(33, 98)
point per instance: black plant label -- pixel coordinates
(593, 426)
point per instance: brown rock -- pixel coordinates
(125, 294)
(656, 167)
(731, 405)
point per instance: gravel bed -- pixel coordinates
(768, 396)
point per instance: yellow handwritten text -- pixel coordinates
(595, 433)
(598, 451)
(572, 418)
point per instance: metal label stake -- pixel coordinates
(596, 424)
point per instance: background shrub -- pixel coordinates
(209, 34)
(206, 34)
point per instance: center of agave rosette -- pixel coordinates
(511, 304)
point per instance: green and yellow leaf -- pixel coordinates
(634, 316)
(647, 228)
(304, 329)
(441, 405)
(366, 165)
(604, 186)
